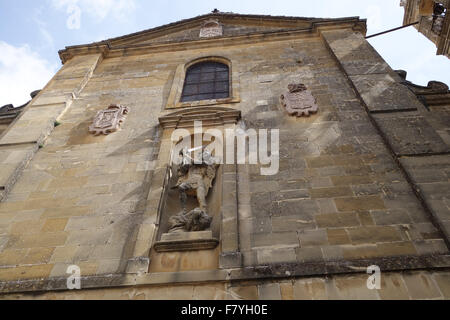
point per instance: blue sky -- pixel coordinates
(32, 32)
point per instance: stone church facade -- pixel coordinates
(363, 179)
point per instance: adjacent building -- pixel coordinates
(433, 21)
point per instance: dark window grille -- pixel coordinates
(206, 81)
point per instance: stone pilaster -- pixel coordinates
(401, 119)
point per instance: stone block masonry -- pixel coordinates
(364, 181)
(410, 137)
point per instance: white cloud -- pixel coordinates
(98, 9)
(21, 71)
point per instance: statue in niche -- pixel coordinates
(109, 120)
(299, 101)
(194, 180)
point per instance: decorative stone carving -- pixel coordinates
(186, 241)
(435, 94)
(211, 28)
(299, 101)
(109, 120)
(194, 180)
(195, 220)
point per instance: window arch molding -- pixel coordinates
(174, 100)
(208, 59)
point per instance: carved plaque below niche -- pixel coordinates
(109, 120)
(186, 241)
(299, 101)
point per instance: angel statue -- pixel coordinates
(194, 180)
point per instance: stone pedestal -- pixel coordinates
(186, 241)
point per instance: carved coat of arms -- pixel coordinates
(299, 101)
(109, 120)
(211, 28)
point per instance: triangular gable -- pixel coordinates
(234, 24)
(231, 25)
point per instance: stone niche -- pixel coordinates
(190, 240)
(208, 248)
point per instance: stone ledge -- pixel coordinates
(276, 271)
(399, 263)
(186, 241)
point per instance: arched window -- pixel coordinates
(206, 81)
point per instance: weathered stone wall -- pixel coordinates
(81, 196)
(402, 121)
(339, 193)
(353, 182)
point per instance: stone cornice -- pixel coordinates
(71, 52)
